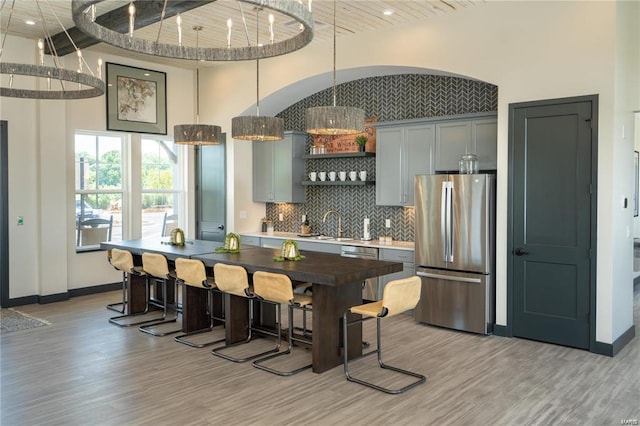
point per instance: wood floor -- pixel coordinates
(81, 370)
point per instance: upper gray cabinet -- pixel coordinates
(455, 138)
(278, 169)
(403, 150)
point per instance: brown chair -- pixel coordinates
(278, 289)
(156, 267)
(193, 273)
(169, 223)
(233, 280)
(399, 296)
(92, 232)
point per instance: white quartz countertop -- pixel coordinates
(398, 245)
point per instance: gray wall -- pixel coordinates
(388, 98)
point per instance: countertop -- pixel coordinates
(398, 245)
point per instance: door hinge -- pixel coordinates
(588, 120)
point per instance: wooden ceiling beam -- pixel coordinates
(147, 13)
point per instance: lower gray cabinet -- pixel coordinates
(393, 255)
(278, 169)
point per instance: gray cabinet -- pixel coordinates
(403, 150)
(455, 138)
(278, 169)
(393, 255)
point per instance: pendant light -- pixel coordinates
(334, 120)
(258, 127)
(197, 134)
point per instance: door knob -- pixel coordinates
(519, 252)
(221, 227)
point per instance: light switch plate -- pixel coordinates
(20, 220)
(387, 223)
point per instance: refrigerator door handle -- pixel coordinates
(449, 277)
(450, 219)
(444, 218)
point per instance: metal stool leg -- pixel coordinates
(147, 328)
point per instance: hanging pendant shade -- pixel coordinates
(197, 134)
(334, 120)
(257, 128)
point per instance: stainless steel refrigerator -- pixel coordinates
(455, 250)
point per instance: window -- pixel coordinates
(99, 189)
(161, 186)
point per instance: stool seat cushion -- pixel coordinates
(302, 299)
(368, 309)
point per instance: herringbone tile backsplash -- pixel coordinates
(389, 98)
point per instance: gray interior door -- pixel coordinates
(551, 213)
(4, 215)
(211, 193)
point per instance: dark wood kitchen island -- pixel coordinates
(336, 284)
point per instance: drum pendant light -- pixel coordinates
(197, 134)
(334, 120)
(258, 127)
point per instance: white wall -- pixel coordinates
(531, 51)
(41, 176)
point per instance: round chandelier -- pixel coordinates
(83, 12)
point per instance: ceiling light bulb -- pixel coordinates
(388, 12)
(30, 22)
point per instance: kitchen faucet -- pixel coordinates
(324, 219)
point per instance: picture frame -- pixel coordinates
(136, 99)
(636, 161)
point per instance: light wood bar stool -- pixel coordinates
(120, 263)
(192, 272)
(122, 260)
(157, 269)
(278, 289)
(399, 296)
(233, 280)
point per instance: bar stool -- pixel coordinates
(233, 280)
(157, 269)
(278, 289)
(117, 264)
(399, 296)
(122, 260)
(192, 272)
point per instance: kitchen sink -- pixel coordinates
(343, 239)
(324, 237)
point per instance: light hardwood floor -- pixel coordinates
(81, 370)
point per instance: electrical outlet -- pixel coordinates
(280, 217)
(387, 223)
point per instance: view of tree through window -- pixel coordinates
(99, 192)
(160, 187)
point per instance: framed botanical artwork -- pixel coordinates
(136, 99)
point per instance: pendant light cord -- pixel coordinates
(257, 63)
(197, 29)
(334, 52)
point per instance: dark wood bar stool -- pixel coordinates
(399, 296)
(157, 269)
(278, 289)
(234, 281)
(192, 272)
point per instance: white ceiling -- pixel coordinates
(352, 16)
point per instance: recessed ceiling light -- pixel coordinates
(388, 12)
(30, 22)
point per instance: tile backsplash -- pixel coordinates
(389, 98)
